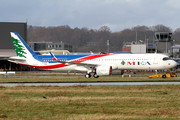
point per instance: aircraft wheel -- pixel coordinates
(95, 76)
(87, 75)
(163, 76)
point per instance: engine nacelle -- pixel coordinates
(104, 70)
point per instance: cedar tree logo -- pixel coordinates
(123, 63)
(19, 48)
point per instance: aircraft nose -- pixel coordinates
(175, 63)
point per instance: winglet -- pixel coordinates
(54, 58)
(91, 52)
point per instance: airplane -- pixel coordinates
(98, 64)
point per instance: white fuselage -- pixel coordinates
(117, 61)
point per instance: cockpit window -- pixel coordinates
(166, 58)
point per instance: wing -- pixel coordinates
(73, 63)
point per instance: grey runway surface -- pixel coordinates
(69, 77)
(88, 83)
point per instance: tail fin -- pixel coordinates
(22, 49)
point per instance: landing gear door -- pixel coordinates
(155, 59)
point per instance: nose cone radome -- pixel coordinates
(174, 64)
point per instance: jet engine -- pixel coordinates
(104, 70)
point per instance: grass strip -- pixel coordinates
(160, 102)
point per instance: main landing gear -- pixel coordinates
(88, 75)
(95, 75)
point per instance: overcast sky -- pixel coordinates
(116, 14)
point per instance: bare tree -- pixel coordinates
(85, 39)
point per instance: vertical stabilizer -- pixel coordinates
(21, 48)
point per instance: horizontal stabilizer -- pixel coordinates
(17, 58)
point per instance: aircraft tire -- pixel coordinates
(95, 76)
(87, 75)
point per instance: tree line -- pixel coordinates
(85, 40)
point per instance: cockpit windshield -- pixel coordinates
(166, 58)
